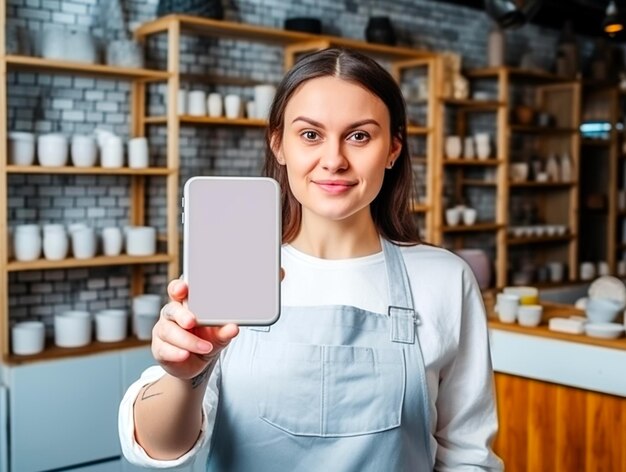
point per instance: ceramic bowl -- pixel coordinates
(111, 325)
(72, 328)
(28, 338)
(529, 315)
(602, 310)
(604, 330)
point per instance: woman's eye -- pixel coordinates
(359, 136)
(310, 135)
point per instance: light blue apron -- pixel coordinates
(327, 388)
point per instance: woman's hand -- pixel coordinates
(182, 347)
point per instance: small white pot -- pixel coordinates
(112, 241)
(263, 97)
(84, 150)
(27, 243)
(84, 243)
(453, 216)
(232, 105)
(55, 244)
(28, 338)
(144, 324)
(21, 148)
(112, 154)
(111, 325)
(215, 105)
(182, 102)
(140, 241)
(52, 150)
(469, 216)
(196, 103)
(138, 154)
(147, 304)
(73, 328)
(453, 147)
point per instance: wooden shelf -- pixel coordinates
(38, 64)
(542, 185)
(207, 120)
(540, 239)
(414, 130)
(54, 352)
(479, 183)
(473, 162)
(419, 208)
(12, 169)
(537, 76)
(475, 228)
(220, 79)
(473, 105)
(541, 130)
(247, 32)
(98, 261)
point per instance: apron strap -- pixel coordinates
(397, 278)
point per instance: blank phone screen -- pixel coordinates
(232, 238)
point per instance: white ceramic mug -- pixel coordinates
(483, 145)
(469, 216)
(112, 152)
(147, 303)
(140, 241)
(83, 150)
(28, 338)
(55, 243)
(215, 105)
(557, 271)
(507, 305)
(587, 270)
(453, 216)
(27, 242)
(196, 103)
(52, 150)
(453, 147)
(263, 97)
(111, 325)
(21, 148)
(232, 106)
(144, 322)
(138, 154)
(112, 241)
(182, 102)
(83, 243)
(603, 268)
(72, 328)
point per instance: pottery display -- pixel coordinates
(215, 105)
(453, 147)
(83, 150)
(263, 97)
(28, 338)
(112, 241)
(196, 103)
(27, 242)
(232, 106)
(55, 242)
(112, 152)
(138, 153)
(72, 328)
(111, 325)
(84, 242)
(140, 240)
(52, 150)
(21, 148)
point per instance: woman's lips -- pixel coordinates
(334, 186)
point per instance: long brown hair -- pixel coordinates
(390, 209)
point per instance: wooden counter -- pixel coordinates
(552, 426)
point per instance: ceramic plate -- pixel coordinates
(610, 287)
(604, 330)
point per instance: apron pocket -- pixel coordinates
(329, 391)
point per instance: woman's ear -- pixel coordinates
(277, 149)
(394, 152)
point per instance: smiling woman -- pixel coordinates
(379, 360)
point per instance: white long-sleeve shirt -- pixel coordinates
(453, 337)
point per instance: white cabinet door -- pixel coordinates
(64, 412)
(134, 362)
(4, 430)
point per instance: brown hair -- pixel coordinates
(390, 209)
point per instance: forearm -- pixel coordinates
(168, 415)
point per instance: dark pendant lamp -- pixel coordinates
(512, 13)
(612, 23)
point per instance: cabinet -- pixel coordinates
(136, 180)
(535, 216)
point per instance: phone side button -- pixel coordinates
(182, 217)
(182, 202)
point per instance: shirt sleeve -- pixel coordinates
(134, 453)
(466, 412)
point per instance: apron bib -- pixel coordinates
(327, 388)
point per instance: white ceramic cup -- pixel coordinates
(587, 270)
(138, 153)
(453, 147)
(232, 106)
(215, 105)
(469, 216)
(483, 145)
(112, 241)
(196, 103)
(147, 304)
(603, 268)
(263, 97)
(55, 243)
(557, 270)
(73, 328)
(112, 153)
(27, 242)
(111, 325)
(84, 150)
(529, 315)
(28, 338)
(144, 322)
(182, 102)
(507, 306)
(453, 216)
(140, 241)
(84, 243)
(21, 148)
(52, 150)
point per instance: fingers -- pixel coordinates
(176, 337)
(179, 314)
(177, 290)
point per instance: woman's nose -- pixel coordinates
(333, 158)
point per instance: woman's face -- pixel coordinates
(336, 145)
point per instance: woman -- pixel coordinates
(379, 360)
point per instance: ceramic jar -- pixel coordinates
(140, 240)
(27, 242)
(112, 152)
(111, 325)
(55, 242)
(72, 328)
(263, 97)
(83, 243)
(232, 106)
(483, 145)
(196, 103)
(21, 148)
(215, 105)
(28, 338)
(69, 45)
(83, 150)
(453, 147)
(496, 48)
(112, 241)
(138, 154)
(52, 150)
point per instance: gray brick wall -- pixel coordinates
(43, 103)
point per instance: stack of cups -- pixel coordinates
(146, 309)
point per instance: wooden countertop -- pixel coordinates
(552, 310)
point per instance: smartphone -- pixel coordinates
(231, 249)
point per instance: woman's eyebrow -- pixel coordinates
(356, 124)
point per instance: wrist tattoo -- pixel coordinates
(202, 376)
